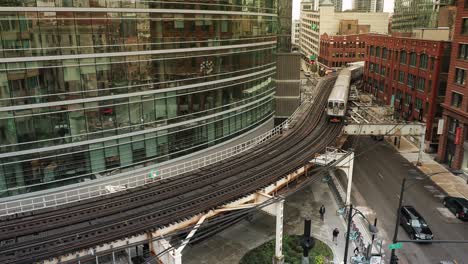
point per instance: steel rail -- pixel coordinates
(227, 192)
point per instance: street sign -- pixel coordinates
(395, 246)
(153, 174)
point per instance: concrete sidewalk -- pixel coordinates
(451, 184)
(232, 244)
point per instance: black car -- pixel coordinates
(414, 224)
(458, 206)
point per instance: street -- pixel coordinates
(378, 174)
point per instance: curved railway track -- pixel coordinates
(49, 233)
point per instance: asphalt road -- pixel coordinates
(378, 173)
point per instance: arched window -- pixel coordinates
(412, 59)
(403, 57)
(423, 61)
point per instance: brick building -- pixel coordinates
(454, 147)
(336, 51)
(410, 75)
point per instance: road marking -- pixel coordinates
(380, 175)
(447, 216)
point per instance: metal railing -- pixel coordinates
(152, 175)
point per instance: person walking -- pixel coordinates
(335, 235)
(322, 212)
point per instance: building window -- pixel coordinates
(412, 59)
(408, 99)
(423, 61)
(371, 67)
(389, 54)
(377, 52)
(349, 26)
(384, 53)
(403, 57)
(376, 68)
(418, 104)
(411, 78)
(395, 75)
(452, 125)
(457, 100)
(459, 76)
(382, 71)
(463, 51)
(371, 50)
(465, 26)
(399, 95)
(401, 77)
(421, 84)
(432, 63)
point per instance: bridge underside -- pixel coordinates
(410, 129)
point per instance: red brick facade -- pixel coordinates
(411, 75)
(455, 106)
(336, 51)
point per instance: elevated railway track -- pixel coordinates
(49, 233)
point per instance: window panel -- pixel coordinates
(460, 76)
(457, 100)
(463, 51)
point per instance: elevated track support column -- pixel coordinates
(279, 258)
(399, 129)
(276, 209)
(346, 165)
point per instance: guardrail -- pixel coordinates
(150, 176)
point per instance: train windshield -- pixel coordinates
(341, 106)
(330, 104)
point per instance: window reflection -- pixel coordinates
(103, 95)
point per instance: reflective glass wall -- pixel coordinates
(91, 88)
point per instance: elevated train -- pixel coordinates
(338, 99)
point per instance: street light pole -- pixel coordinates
(350, 216)
(393, 258)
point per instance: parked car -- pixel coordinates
(414, 224)
(307, 74)
(458, 206)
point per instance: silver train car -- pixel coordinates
(338, 99)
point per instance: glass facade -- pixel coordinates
(90, 88)
(414, 14)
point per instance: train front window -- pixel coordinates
(341, 106)
(330, 105)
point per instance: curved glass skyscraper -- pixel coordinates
(89, 88)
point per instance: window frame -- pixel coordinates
(456, 77)
(459, 102)
(403, 59)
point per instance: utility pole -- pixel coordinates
(350, 217)
(393, 257)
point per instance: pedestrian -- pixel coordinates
(356, 251)
(335, 235)
(322, 212)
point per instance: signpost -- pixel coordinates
(153, 174)
(395, 246)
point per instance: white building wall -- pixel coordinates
(328, 22)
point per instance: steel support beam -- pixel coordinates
(410, 129)
(279, 258)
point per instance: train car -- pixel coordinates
(357, 69)
(338, 99)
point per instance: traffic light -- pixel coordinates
(394, 259)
